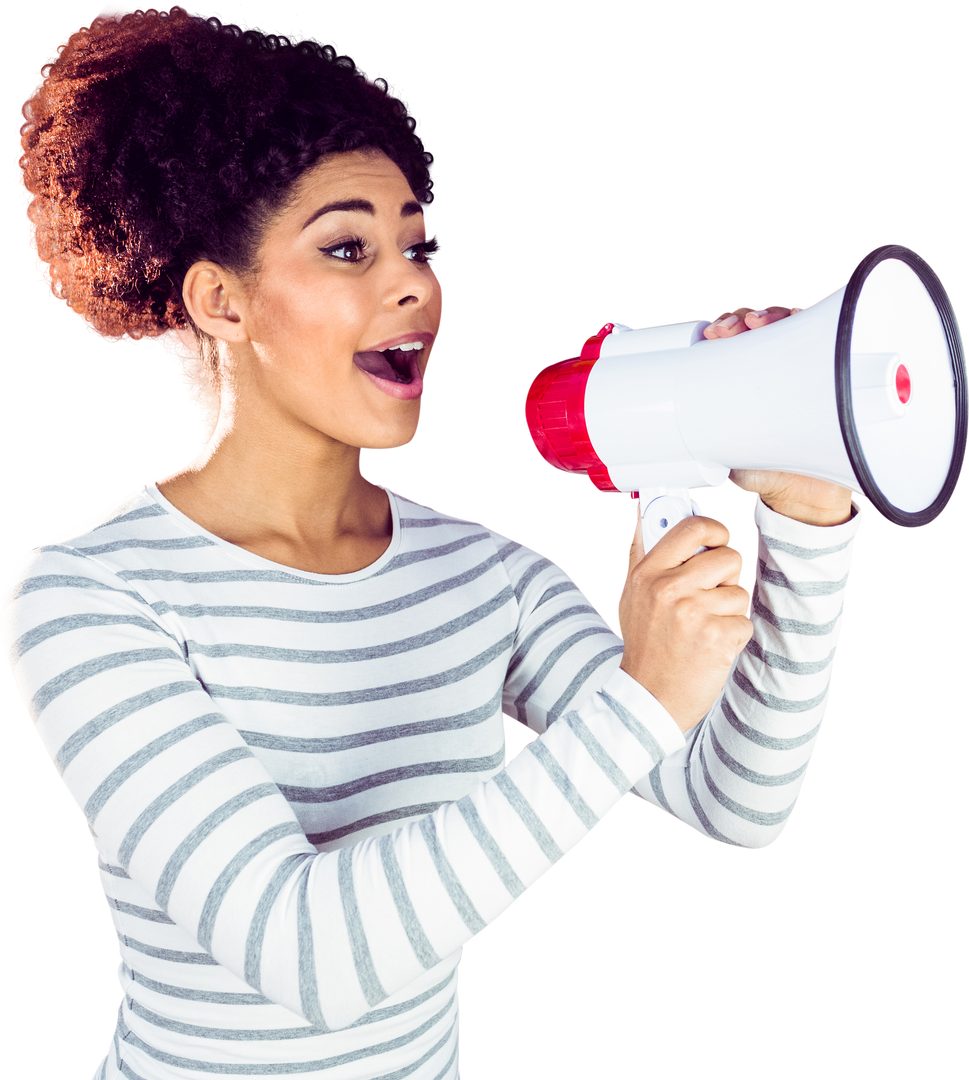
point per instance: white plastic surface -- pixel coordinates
(665, 408)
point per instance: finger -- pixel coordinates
(726, 601)
(771, 313)
(681, 542)
(637, 550)
(711, 569)
(730, 324)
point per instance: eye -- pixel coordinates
(422, 252)
(426, 253)
(351, 251)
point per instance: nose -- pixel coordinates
(412, 284)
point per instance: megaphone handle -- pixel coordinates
(662, 508)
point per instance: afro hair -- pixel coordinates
(159, 138)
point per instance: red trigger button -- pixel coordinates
(590, 350)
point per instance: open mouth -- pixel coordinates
(396, 365)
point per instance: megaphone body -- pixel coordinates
(866, 389)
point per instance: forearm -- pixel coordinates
(738, 777)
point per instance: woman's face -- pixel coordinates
(343, 309)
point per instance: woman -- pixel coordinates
(275, 688)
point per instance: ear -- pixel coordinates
(210, 295)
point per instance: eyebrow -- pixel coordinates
(360, 206)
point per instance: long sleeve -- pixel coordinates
(178, 802)
(738, 775)
(295, 783)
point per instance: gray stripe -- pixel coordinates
(782, 663)
(448, 1065)
(423, 640)
(800, 588)
(423, 685)
(560, 616)
(778, 704)
(396, 813)
(534, 569)
(392, 776)
(123, 772)
(756, 817)
(110, 867)
(96, 666)
(656, 783)
(567, 698)
(560, 779)
(294, 1067)
(171, 795)
(405, 909)
(562, 588)
(635, 727)
(407, 1070)
(79, 621)
(269, 740)
(554, 656)
(433, 522)
(774, 544)
(42, 581)
(770, 742)
(531, 820)
(238, 863)
(449, 879)
(763, 779)
(136, 515)
(705, 822)
(142, 543)
(252, 971)
(598, 753)
(215, 997)
(481, 833)
(792, 626)
(176, 956)
(148, 914)
(309, 994)
(469, 538)
(362, 960)
(404, 559)
(103, 721)
(301, 580)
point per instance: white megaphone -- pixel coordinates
(866, 389)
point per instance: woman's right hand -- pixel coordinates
(683, 617)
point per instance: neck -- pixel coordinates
(303, 496)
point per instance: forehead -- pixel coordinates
(369, 175)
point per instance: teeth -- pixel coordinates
(408, 346)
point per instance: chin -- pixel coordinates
(389, 442)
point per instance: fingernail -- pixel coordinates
(759, 314)
(730, 320)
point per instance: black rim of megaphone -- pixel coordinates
(842, 369)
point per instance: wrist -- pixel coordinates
(837, 512)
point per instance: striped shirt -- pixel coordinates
(296, 782)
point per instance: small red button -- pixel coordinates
(903, 384)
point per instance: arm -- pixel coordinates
(740, 772)
(738, 775)
(174, 796)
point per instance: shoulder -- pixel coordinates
(424, 528)
(138, 524)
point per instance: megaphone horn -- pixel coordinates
(866, 389)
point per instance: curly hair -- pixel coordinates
(160, 138)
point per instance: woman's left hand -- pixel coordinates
(804, 498)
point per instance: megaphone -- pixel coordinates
(866, 389)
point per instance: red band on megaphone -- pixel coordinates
(554, 414)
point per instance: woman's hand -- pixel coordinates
(803, 498)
